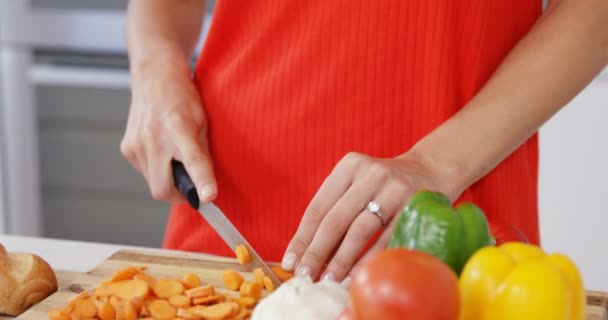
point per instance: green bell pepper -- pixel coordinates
(429, 223)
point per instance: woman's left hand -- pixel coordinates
(338, 225)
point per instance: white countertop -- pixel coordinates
(64, 254)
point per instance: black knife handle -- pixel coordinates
(184, 183)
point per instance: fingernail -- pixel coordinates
(328, 276)
(346, 282)
(289, 261)
(304, 272)
(207, 191)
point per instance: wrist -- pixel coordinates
(449, 176)
(167, 57)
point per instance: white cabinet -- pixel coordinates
(573, 183)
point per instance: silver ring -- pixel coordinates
(374, 207)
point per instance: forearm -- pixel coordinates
(565, 50)
(162, 29)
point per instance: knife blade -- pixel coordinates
(218, 220)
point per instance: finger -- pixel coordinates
(378, 246)
(160, 178)
(194, 154)
(331, 190)
(363, 230)
(335, 226)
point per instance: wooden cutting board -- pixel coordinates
(209, 268)
(159, 264)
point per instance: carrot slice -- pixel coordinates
(162, 310)
(147, 278)
(106, 311)
(168, 288)
(244, 313)
(219, 311)
(188, 314)
(282, 274)
(137, 303)
(115, 302)
(269, 284)
(85, 308)
(259, 275)
(130, 289)
(121, 312)
(208, 299)
(251, 289)
(245, 302)
(180, 301)
(191, 281)
(57, 314)
(130, 310)
(143, 312)
(103, 291)
(124, 274)
(232, 279)
(201, 291)
(242, 254)
(82, 295)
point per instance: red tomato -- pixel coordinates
(404, 284)
(506, 233)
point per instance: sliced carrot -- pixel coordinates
(124, 274)
(246, 302)
(201, 291)
(86, 308)
(269, 284)
(232, 279)
(137, 303)
(147, 278)
(188, 314)
(219, 311)
(162, 310)
(129, 289)
(102, 291)
(196, 312)
(130, 310)
(82, 295)
(57, 314)
(104, 283)
(106, 311)
(191, 281)
(259, 275)
(242, 254)
(143, 312)
(167, 288)
(251, 289)
(121, 312)
(244, 313)
(115, 302)
(208, 299)
(180, 301)
(282, 274)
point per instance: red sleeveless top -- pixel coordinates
(290, 87)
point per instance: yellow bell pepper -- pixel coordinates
(517, 281)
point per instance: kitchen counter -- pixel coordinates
(65, 254)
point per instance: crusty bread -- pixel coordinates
(25, 279)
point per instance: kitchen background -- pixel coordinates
(64, 98)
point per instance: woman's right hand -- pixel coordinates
(167, 121)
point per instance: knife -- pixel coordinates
(217, 220)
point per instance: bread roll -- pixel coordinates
(25, 279)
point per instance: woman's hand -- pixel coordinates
(337, 225)
(167, 121)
